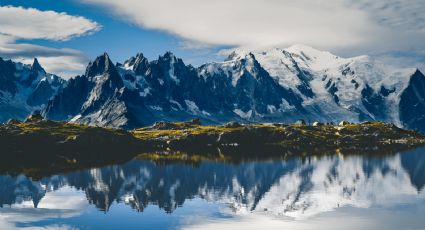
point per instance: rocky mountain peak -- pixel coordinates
(36, 67)
(168, 57)
(102, 64)
(141, 64)
(231, 56)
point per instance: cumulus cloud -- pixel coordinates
(254, 23)
(28, 23)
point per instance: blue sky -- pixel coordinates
(197, 30)
(119, 38)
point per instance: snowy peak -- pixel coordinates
(138, 64)
(310, 53)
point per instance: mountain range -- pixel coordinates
(276, 85)
(25, 88)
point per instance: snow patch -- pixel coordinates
(192, 107)
(171, 71)
(176, 103)
(161, 82)
(145, 92)
(74, 119)
(242, 114)
(155, 107)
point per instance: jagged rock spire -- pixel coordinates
(100, 65)
(36, 66)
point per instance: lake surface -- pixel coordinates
(331, 192)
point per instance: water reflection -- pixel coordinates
(301, 189)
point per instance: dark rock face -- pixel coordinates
(34, 73)
(7, 79)
(374, 102)
(97, 90)
(67, 103)
(332, 89)
(412, 103)
(45, 90)
(232, 124)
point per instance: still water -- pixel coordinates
(332, 192)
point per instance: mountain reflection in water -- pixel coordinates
(298, 189)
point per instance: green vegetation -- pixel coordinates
(38, 147)
(366, 134)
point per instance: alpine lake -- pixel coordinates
(251, 188)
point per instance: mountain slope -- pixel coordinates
(25, 88)
(355, 89)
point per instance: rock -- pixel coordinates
(300, 122)
(14, 122)
(35, 117)
(316, 123)
(163, 125)
(344, 123)
(279, 124)
(233, 124)
(195, 121)
(13, 128)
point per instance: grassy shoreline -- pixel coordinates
(40, 147)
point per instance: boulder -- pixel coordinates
(344, 123)
(14, 122)
(300, 122)
(35, 117)
(316, 123)
(233, 124)
(195, 121)
(163, 125)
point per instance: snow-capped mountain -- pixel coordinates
(25, 88)
(277, 85)
(335, 88)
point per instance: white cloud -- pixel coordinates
(330, 24)
(22, 23)
(64, 66)
(30, 23)
(63, 62)
(247, 22)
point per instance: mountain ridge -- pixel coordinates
(276, 85)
